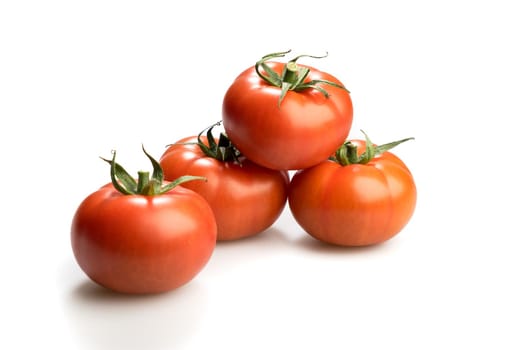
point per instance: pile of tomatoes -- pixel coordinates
(156, 232)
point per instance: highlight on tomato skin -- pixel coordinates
(145, 235)
(286, 116)
(362, 202)
(245, 197)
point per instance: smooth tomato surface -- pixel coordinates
(354, 205)
(246, 198)
(306, 129)
(143, 244)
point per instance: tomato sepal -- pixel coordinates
(223, 150)
(347, 153)
(144, 185)
(293, 76)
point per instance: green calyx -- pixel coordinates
(145, 185)
(293, 77)
(223, 150)
(348, 154)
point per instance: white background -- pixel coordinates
(81, 78)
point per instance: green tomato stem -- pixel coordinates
(143, 182)
(347, 154)
(223, 151)
(289, 75)
(127, 185)
(293, 77)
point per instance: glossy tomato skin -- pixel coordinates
(354, 205)
(143, 244)
(246, 198)
(306, 129)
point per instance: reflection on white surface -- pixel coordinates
(239, 284)
(102, 319)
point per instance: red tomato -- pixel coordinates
(137, 243)
(354, 204)
(286, 129)
(245, 197)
